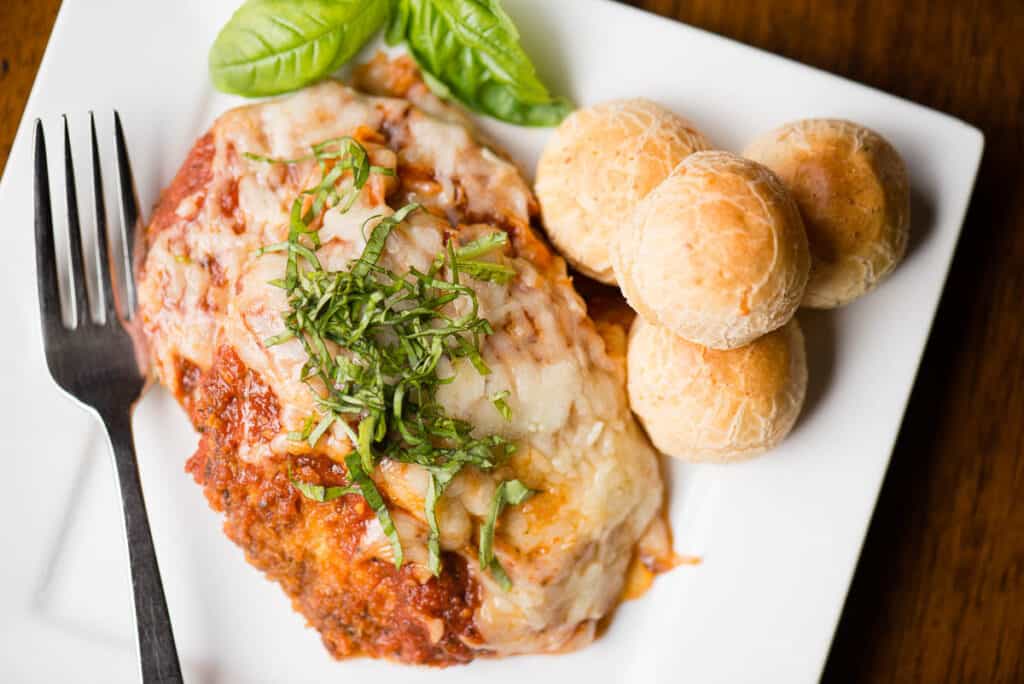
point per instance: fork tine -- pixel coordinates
(79, 289)
(46, 253)
(104, 250)
(129, 213)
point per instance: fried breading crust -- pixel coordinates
(359, 604)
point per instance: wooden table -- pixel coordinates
(939, 592)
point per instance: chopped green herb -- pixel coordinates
(303, 434)
(440, 478)
(500, 402)
(271, 160)
(466, 259)
(487, 270)
(376, 502)
(278, 339)
(511, 492)
(321, 428)
(319, 492)
(374, 341)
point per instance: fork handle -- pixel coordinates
(158, 655)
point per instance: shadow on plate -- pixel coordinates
(541, 43)
(819, 328)
(922, 221)
(86, 463)
(45, 599)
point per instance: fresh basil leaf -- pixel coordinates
(375, 244)
(471, 48)
(500, 576)
(500, 401)
(320, 493)
(440, 478)
(502, 16)
(487, 270)
(511, 492)
(363, 444)
(274, 46)
(376, 502)
(325, 423)
(482, 245)
(397, 22)
(281, 338)
(303, 434)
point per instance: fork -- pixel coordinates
(94, 361)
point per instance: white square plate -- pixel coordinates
(779, 537)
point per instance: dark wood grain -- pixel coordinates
(24, 30)
(939, 592)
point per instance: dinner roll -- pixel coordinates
(852, 189)
(600, 162)
(716, 253)
(699, 404)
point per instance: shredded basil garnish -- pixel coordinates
(321, 493)
(440, 478)
(376, 503)
(500, 403)
(374, 340)
(511, 492)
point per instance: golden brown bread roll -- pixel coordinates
(716, 253)
(703, 405)
(601, 161)
(852, 189)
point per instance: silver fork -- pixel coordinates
(94, 361)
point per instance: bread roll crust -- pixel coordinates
(600, 163)
(852, 190)
(704, 405)
(716, 253)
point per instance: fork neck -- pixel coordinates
(119, 427)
